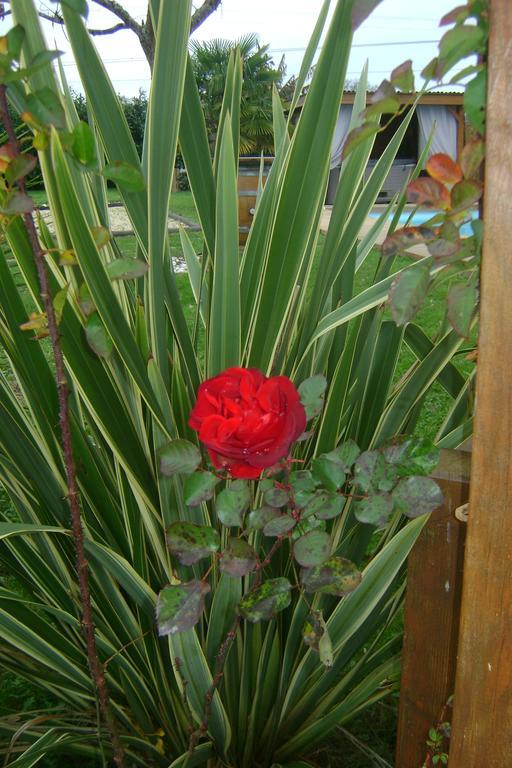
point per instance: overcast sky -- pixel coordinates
(396, 31)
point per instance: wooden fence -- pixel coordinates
(473, 657)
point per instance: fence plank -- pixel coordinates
(482, 718)
(432, 612)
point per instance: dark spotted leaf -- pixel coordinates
(369, 470)
(264, 602)
(280, 525)
(407, 293)
(125, 175)
(312, 394)
(179, 607)
(411, 455)
(465, 194)
(238, 559)
(337, 576)
(403, 76)
(316, 636)
(405, 238)
(428, 193)
(313, 548)
(328, 471)
(126, 269)
(19, 167)
(303, 487)
(306, 525)
(357, 136)
(199, 487)
(97, 336)
(179, 457)
(258, 518)
(376, 509)
(462, 303)
(472, 158)
(417, 495)
(83, 145)
(190, 542)
(313, 629)
(302, 498)
(324, 505)
(232, 503)
(276, 497)
(442, 168)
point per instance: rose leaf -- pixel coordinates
(190, 542)
(199, 487)
(265, 601)
(312, 549)
(179, 607)
(238, 559)
(337, 576)
(417, 495)
(179, 457)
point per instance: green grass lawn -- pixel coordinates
(182, 203)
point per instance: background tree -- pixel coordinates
(124, 20)
(210, 60)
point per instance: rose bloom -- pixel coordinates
(246, 421)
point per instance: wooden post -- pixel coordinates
(432, 613)
(482, 717)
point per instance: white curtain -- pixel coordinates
(445, 133)
(340, 134)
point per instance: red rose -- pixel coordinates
(246, 421)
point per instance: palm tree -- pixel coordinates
(210, 60)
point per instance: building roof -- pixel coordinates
(448, 98)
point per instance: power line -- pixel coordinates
(360, 45)
(137, 60)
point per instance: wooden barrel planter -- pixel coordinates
(248, 176)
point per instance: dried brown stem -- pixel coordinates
(73, 495)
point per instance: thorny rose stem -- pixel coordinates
(82, 565)
(223, 652)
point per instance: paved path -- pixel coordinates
(120, 223)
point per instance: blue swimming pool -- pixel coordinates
(420, 217)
